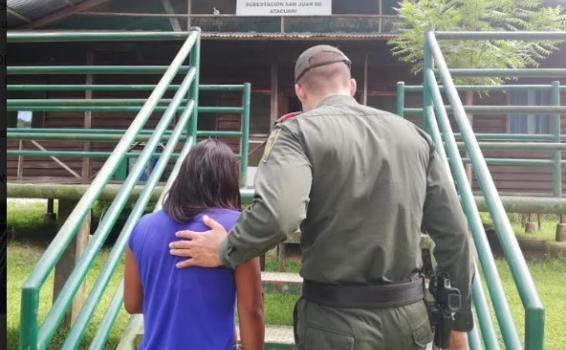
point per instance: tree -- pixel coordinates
(419, 16)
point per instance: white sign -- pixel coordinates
(283, 8)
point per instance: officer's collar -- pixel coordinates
(335, 100)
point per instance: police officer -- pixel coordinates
(362, 184)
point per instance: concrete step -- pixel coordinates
(279, 338)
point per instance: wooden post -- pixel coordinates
(69, 259)
(365, 89)
(20, 171)
(532, 223)
(189, 13)
(282, 257)
(274, 102)
(49, 216)
(87, 124)
(561, 229)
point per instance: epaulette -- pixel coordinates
(287, 117)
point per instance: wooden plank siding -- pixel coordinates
(227, 62)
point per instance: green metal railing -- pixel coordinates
(437, 122)
(509, 142)
(36, 336)
(183, 107)
(113, 135)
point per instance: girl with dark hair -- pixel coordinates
(193, 308)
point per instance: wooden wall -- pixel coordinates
(235, 62)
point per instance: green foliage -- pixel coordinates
(419, 16)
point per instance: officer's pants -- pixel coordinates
(320, 327)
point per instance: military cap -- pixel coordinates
(308, 59)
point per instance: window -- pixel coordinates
(528, 123)
(24, 119)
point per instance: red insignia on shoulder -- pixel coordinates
(288, 116)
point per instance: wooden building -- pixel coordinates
(236, 47)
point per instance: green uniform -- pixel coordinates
(362, 184)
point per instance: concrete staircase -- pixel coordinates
(277, 337)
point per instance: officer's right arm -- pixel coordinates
(445, 222)
(282, 188)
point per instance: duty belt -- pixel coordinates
(364, 296)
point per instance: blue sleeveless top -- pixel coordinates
(190, 308)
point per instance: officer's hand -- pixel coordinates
(458, 341)
(200, 247)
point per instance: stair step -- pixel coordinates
(281, 282)
(279, 337)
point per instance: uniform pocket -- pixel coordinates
(321, 339)
(422, 334)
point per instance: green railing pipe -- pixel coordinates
(516, 73)
(400, 98)
(534, 310)
(89, 36)
(509, 35)
(428, 63)
(556, 129)
(525, 146)
(110, 109)
(62, 302)
(485, 88)
(497, 111)
(113, 87)
(483, 249)
(195, 61)
(244, 142)
(30, 290)
(86, 69)
(78, 329)
(91, 154)
(110, 316)
(483, 315)
(468, 203)
(29, 102)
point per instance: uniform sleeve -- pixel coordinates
(282, 187)
(445, 222)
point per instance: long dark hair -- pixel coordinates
(208, 178)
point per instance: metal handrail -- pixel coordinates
(534, 310)
(32, 336)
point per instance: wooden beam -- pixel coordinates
(365, 89)
(189, 13)
(57, 160)
(274, 101)
(69, 11)
(175, 24)
(17, 15)
(87, 124)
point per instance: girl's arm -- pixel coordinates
(133, 293)
(250, 304)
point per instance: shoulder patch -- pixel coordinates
(269, 144)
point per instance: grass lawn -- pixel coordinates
(28, 237)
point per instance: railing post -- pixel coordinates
(557, 158)
(194, 61)
(427, 100)
(400, 99)
(244, 141)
